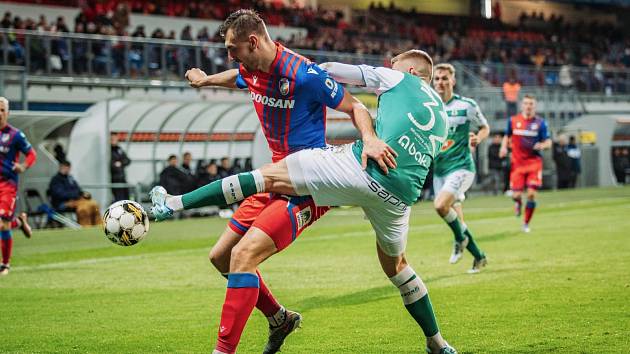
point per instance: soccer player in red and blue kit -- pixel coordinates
(12, 143)
(290, 95)
(529, 136)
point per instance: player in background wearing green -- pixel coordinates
(410, 127)
(454, 168)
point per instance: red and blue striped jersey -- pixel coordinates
(525, 133)
(12, 142)
(291, 101)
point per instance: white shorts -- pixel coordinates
(334, 177)
(456, 183)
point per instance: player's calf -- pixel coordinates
(415, 298)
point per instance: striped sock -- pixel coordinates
(416, 299)
(453, 222)
(225, 191)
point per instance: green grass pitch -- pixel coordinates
(563, 288)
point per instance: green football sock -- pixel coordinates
(472, 245)
(225, 191)
(416, 300)
(453, 222)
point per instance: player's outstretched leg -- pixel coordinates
(415, 297)
(229, 190)
(226, 191)
(6, 245)
(443, 205)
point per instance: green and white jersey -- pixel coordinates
(455, 153)
(410, 119)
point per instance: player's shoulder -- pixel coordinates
(466, 100)
(291, 64)
(13, 130)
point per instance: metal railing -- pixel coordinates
(582, 79)
(96, 57)
(77, 54)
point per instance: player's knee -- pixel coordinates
(220, 260)
(441, 206)
(402, 264)
(241, 254)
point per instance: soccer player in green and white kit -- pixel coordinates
(454, 168)
(411, 127)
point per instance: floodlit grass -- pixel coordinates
(563, 288)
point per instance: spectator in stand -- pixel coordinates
(211, 174)
(236, 166)
(576, 164)
(66, 195)
(187, 162)
(511, 90)
(6, 20)
(248, 164)
(226, 168)
(189, 183)
(119, 161)
(173, 177)
(563, 162)
(495, 164)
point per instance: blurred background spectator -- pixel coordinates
(66, 195)
(119, 161)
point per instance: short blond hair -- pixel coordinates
(530, 96)
(417, 54)
(445, 66)
(6, 102)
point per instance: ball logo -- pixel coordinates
(284, 86)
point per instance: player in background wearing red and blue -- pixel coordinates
(12, 142)
(529, 136)
(290, 95)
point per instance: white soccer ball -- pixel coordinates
(125, 223)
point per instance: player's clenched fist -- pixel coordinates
(196, 77)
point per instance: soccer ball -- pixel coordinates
(126, 223)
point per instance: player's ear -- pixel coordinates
(253, 42)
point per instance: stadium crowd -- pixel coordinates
(542, 47)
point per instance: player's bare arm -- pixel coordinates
(543, 145)
(504, 147)
(374, 148)
(476, 139)
(198, 78)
